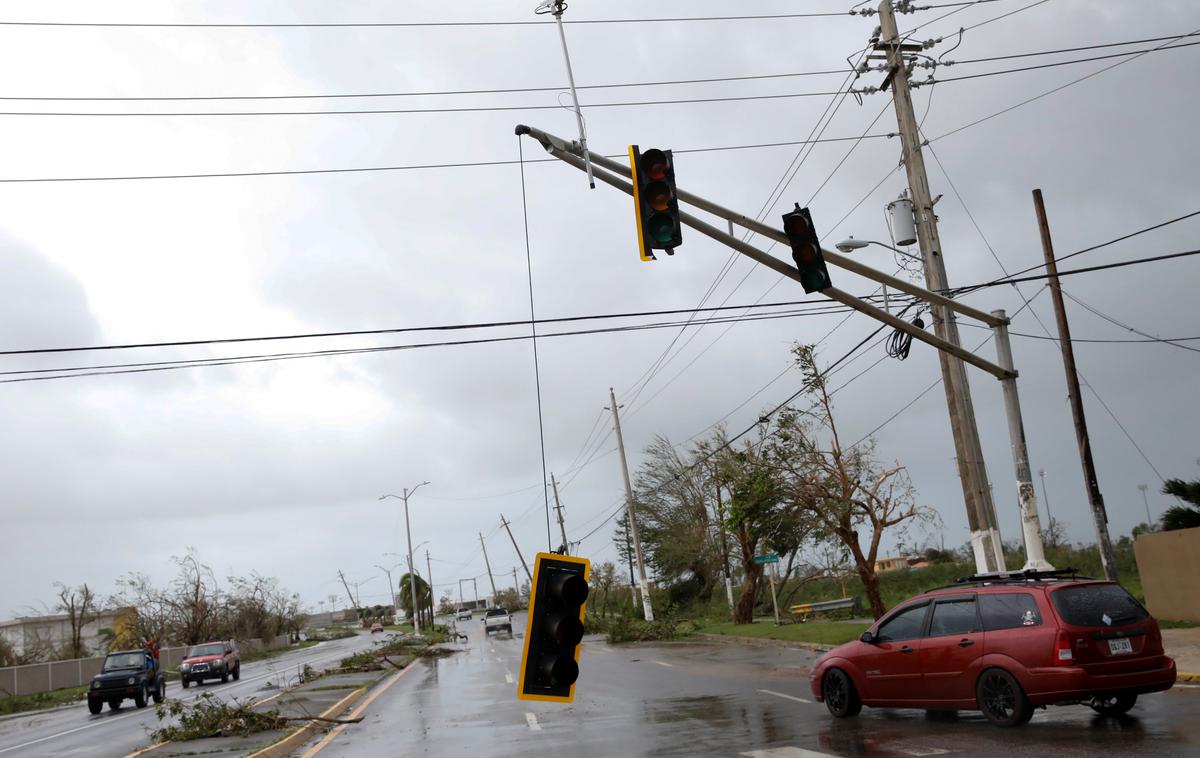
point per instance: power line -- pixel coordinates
(412, 167)
(1060, 50)
(1127, 327)
(1054, 64)
(413, 24)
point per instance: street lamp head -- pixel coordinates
(850, 244)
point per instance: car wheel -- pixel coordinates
(237, 672)
(1113, 705)
(141, 697)
(1001, 699)
(224, 677)
(94, 705)
(839, 694)
(160, 692)
(185, 682)
(114, 703)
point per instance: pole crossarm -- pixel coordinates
(568, 153)
(561, 149)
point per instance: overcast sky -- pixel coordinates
(277, 467)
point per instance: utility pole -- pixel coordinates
(637, 543)
(629, 555)
(1145, 502)
(345, 584)
(981, 513)
(525, 565)
(489, 566)
(1046, 497)
(429, 571)
(724, 550)
(1095, 499)
(774, 598)
(558, 510)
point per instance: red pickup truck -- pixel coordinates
(211, 660)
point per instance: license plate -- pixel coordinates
(1120, 647)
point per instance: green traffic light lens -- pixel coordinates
(813, 281)
(661, 228)
(560, 670)
(654, 164)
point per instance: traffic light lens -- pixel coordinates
(795, 226)
(661, 228)
(654, 164)
(566, 630)
(807, 252)
(813, 281)
(560, 670)
(658, 196)
(572, 589)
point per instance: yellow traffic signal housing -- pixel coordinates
(554, 628)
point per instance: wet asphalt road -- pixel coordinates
(692, 699)
(75, 732)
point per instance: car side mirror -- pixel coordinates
(867, 637)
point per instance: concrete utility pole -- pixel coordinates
(1095, 499)
(558, 510)
(1142, 488)
(489, 566)
(429, 572)
(412, 572)
(349, 594)
(981, 512)
(1046, 497)
(774, 598)
(724, 551)
(637, 543)
(524, 565)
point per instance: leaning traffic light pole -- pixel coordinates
(611, 172)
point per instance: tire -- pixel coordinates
(839, 694)
(225, 677)
(94, 705)
(142, 697)
(185, 682)
(1000, 697)
(237, 672)
(114, 703)
(1113, 705)
(160, 692)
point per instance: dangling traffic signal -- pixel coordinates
(550, 661)
(655, 203)
(806, 250)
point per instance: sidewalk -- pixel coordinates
(1184, 646)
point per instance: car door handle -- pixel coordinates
(966, 643)
(906, 649)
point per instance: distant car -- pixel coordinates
(211, 660)
(376, 627)
(126, 674)
(1003, 644)
(497, 620)
(464, 614)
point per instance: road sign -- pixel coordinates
(768, 558)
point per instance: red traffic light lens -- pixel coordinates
(571, 589)
(654, 164)
(795, 225)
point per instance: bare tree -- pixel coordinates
(79, 604)
(842, 489)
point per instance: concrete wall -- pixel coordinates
(43, 677)
(1169, 564)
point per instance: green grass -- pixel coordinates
(399, 628)
(22, 703)
(264, 654)
(820, 632)
(1168, 624)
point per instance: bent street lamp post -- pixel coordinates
(412, 581)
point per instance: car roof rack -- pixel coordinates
(1013, 577)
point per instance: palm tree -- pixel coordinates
(1186, 515)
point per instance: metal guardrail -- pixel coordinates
(825, 605)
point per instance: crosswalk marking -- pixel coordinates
(534, 726)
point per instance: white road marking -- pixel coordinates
(1186, 687)
(922, 751)
(534, 726)
(499, 659)
(786, 752)
(789, 697)
(664, 663)
(508, 678)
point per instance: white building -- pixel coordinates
(46, 636)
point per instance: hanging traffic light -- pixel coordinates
(554, 628)
(655, 203)
(806, 250)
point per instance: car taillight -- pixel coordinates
(1063, 655)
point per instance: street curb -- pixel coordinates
(36, 711)
(297, 738)
(733, 639)
(1186, 676)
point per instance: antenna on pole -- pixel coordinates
(556, 9)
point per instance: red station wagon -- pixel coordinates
(1002, 644)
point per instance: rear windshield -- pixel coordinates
(497, 612)
(213, 649)
(1097, 605)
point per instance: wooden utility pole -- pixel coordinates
(1095, 499)
(349, 594)
(489, 567)
(429, 572)
(648, 611)
(981, 512)
(504, 524)
(558, 509)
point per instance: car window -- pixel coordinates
(199, 650)
(1008, 610)
(905, 625)
(123, 661)
(497, 612)
(953, 617)
(1097, 605)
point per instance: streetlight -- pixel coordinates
(408, 535)
(1046, 497)
(1146, 502)
(850, 244)
(391, 587)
